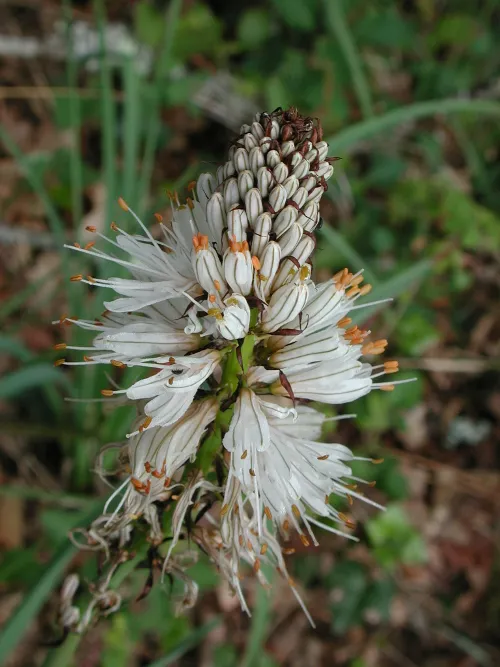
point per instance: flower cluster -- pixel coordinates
(236, 339)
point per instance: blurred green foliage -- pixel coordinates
(409, 205)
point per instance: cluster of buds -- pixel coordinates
(236, 340)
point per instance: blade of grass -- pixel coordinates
(347, 139)
(19, 299)
(340, 32)
(131, 130)
(50, 497)
(15, 628)
(259, 627)
(347, 252)
(395, 286)
(108, 113)
(76, 171)
(154, 127)
(56, 223)
(29, 377)
(187, 644)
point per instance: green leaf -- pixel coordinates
(340, 32)
(208, 450)
(350, 583)
(256, 638)
(347, 140)
(394, 539)
(29, 377)
(190, 642)
(15, 348)
(254, 28)
(395, 286)
(379, 597)
(199, 31)
(297, 13)
(19, 622)
(148, 23)
(340, 248)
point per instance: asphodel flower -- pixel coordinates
(235, 338)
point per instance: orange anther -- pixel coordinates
(224, 510)
(263, 548)
(145, 423)
(60, 346)
(296, 511)
(357, 281)
(244, 455)
(200, 242)
(59, 362)
(147, 467)
(256, 263)
(387, 387)
(323, 458)
(212, 298)
(217, 285)
(159, 217)
(114, 226)
(344, 322)
(77, 278)
(76, 245)
(365, 289)
(122, 204)
(339, 275)
(352, 292)
(256, 565)
(191, 185)
(91, 228)
(147, 487)
(86, 358)
(304, 540)
(90, 245)
(91, 279)
(137, 484)
(391, 367)
(107, 392)
(288, 551)
(267, 512)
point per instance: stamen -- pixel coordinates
(159, 217)
(60, 346)
(244, 455)
(256, 565)
(224, 510)
(59, 362)
(344, 322)
(304, 540)
(288, 551)
(77, 278)
(256, 263)
(263, 548)
(267, 512)
(123, 204)
(107, 392)
(91, 228)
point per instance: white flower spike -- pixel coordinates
(234, 339)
